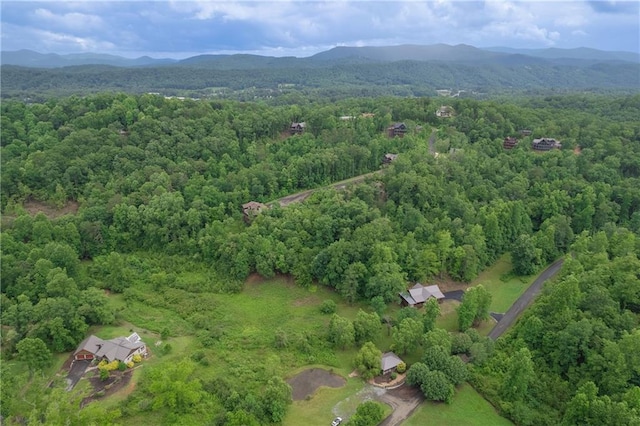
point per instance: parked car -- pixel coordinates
(336, 421)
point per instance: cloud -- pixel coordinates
(615, 7)
(73, 20)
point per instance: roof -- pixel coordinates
(253, 205)
(420, 294)
(115, 349)
(399, 126)
(301, 124)
(389, 360)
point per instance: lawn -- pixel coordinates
(504, 286)
(468, 408)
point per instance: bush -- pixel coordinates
(130, 364)
(137, 358)
(121, 366)
(328, 307)
(393, 375)
(401, 368)
(104, 374)
(167, 348)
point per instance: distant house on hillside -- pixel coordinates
(297, 128)
(418, 294)
(545, 144)
(526, 132)
(389, 362)
(389, 158)
(251, 209)
(119, 349)
(444, 112)
(397, 129)
(367, 115)
(509, 142)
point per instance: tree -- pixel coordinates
(367, 361)
(35, 353)
(174, 387)
(460, 343)
(406, 335)
(467, 309)
(276, 398)
(368, 413)
(525, 256)
(417, 374)
(436, 387)
(437, 337)
(341, 332)
(431, 314)
(366, 326)
(519, 375)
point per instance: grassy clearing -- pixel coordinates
(468, 408)
(502, 284)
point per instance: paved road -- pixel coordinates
(75, 372)
(525, 300)
(453, 295)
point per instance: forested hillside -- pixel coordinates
(159, 186)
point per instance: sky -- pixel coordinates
(179, 29)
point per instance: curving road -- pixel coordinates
(525, 300)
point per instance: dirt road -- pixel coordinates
(404, 401)
(525, 300)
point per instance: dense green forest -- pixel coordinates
(246, 78)
(154, 189)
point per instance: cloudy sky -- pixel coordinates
(178, 29)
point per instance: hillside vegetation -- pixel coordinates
(159, 244)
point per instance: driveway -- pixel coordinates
(525, 300)
(76, 372)
(404, 400)
(454, 295)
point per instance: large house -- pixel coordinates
(509, 142)
(545, 144)
(397, 129)
(297, 128)
(418, 294)
(389, 362)
(118, 349)
(251, 209)
(444, 112)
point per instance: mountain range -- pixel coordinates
(343, 54)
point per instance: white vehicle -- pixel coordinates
(336, 421)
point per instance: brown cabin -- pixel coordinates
(397, 129)
(297, 128)
(510, 142)
(545, 144)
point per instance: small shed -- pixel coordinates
(389, 362)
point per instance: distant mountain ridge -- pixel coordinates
(460, 53)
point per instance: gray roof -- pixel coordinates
(115, 349)
(389, 360)
(420, 294)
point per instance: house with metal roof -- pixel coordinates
(120, 349)
(389, 362)
(418, 294)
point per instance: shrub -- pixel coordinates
(166, 348)
(104, 374)
(137, 358)
(130, 364)
(401, 368)
(121, 366)
(393, 375)
(328, 307)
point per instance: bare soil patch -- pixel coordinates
(34, 207)
(577, 150)
(306, 383)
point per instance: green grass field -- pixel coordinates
(502, 284)
(468, 408)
